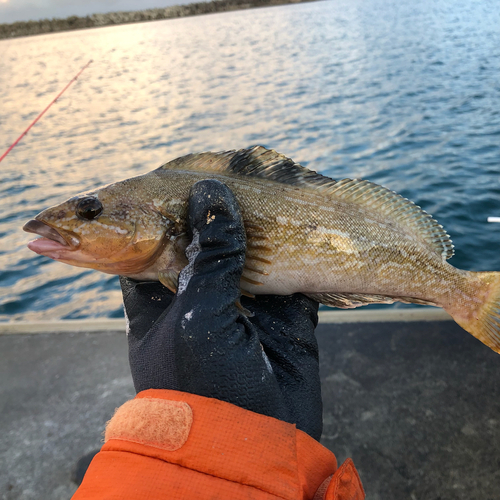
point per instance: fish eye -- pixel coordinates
(89, 208)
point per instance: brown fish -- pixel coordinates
(346, 243)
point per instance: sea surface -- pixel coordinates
(405, 94)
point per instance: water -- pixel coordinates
(406, 94)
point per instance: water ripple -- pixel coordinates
(409, 101)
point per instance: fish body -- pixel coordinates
(344, 243)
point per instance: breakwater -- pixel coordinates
(27, 28)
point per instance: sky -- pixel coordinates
(25, 10)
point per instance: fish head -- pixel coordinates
(111, 229)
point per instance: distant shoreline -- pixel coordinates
(28, 28)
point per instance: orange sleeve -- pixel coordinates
(169, 444)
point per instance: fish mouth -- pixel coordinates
(44, 230)
(51, 242)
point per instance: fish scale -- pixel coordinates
(345, 243)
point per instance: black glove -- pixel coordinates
(200, 342)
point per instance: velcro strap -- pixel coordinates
(161, 423)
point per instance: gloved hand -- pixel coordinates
(198, 341)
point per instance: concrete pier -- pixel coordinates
(410, 396)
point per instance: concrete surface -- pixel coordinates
(415, 404)
(326, 316)
(56, 394)
(417, 407)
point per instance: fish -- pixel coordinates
(344, 243)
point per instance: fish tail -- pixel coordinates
(481, 317)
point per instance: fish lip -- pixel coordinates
(46, 231)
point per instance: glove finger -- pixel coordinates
(218, 352)
(217, 252)
(285, 325)
(144, 302)
(220, 358)
(216, 255)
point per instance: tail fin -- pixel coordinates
(483, 319)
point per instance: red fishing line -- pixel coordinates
(43, 112)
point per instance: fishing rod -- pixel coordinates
(43, 112)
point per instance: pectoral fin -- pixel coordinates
(169, 278)
(244, 310)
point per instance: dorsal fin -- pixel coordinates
(260, 162)
(401, 210)
(256, 161)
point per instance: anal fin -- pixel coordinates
(353, 300)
